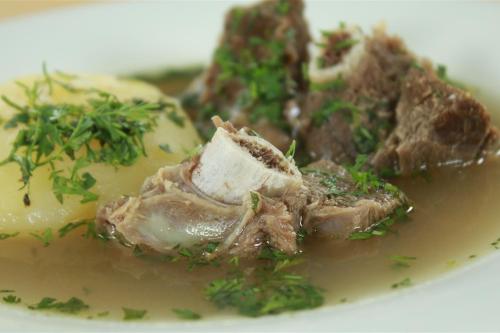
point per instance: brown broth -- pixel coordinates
(456, 216)
(454, 222)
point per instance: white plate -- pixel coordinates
(127, 37)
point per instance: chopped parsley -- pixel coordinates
(63, 231)
(270, 290)
(322, 115)
(103, 130)
(402, 261)
(401, 284)
(176, 118)
(186, 314)
(264, 78)
(72, 306)
(103, 314)
(291, 150)
(4, 236)
(11, 299)
(496, 244)
(382, 227)
(45, 237)
(345, 44)
(133, 314)
(255, 201)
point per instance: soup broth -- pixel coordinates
(454, 222)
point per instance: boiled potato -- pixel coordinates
(45, 210)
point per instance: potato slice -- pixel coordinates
(45, 211)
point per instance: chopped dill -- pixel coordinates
(327, 109)
(45, 236)
(133, 314)
(186, 314)
(401, 284)
(63, 231)
(291, 150)
(402, 261)
(345, 44)
(4, 236)
(71, 306)
(270, 290)
(255, 200)
(11, 299)
(103, 130)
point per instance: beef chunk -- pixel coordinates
(257, 68)
(436, 124)
(350, 109)
(339, 204)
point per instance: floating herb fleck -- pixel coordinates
(11, 299)
(4, 236)
(45, 237)
(70, 227)
(291, 150)
(271, 290)
(186, 314)
(401, 284)
(402, 261)
(72, 306)
(133, 314)
(255, 200)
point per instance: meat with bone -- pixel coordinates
(338, 207)
(264, 202)
(436, 124)
(257, 68)
(355, 87)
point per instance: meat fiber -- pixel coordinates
(354, 90)
(437, 124)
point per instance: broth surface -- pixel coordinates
(454, 222)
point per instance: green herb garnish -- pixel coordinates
(133, 314)
(103, 130)
(291, 150)
(402, 261)
(323, 114)
(4, 236)
(255, 200)
(45, 237)
(382, 227)
(186, 314)
(72, 306)
(11, 299)
(403, 283)
(70, 227)
(345, 44)
(271, 290)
